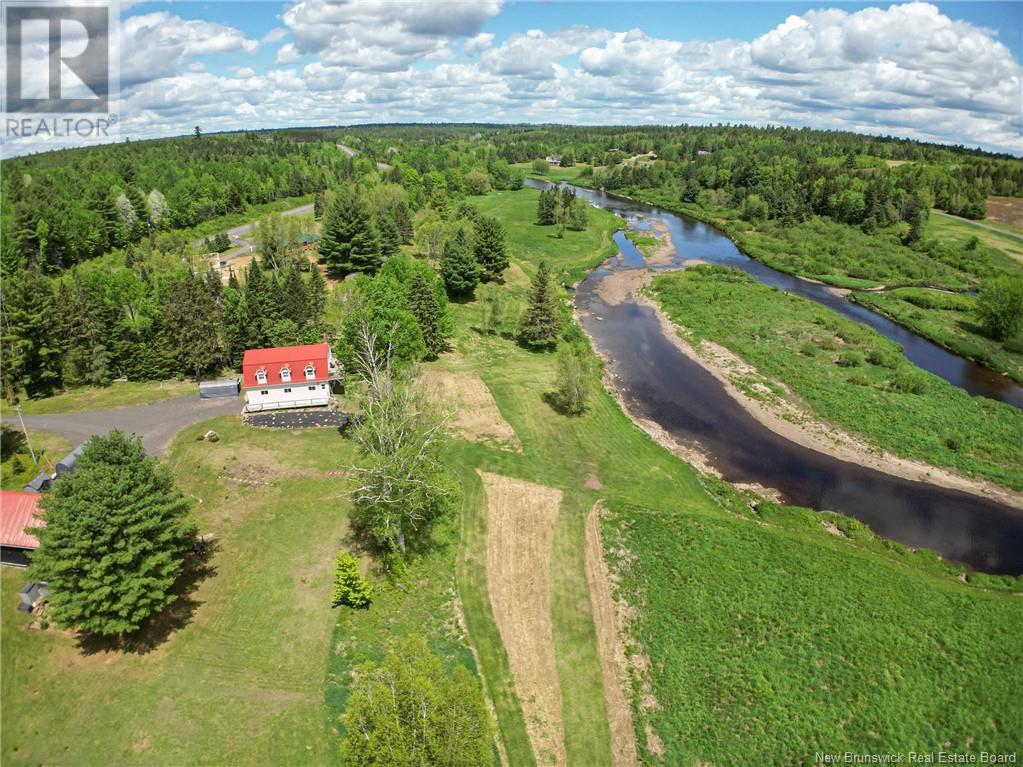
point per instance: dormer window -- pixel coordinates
(261, 376)
(310, 372)
(285, 374)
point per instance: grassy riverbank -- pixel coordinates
(848, 374)
(947, 319)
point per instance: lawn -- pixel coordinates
(849, 375)
(943, 227)
(240, 683)
(118, 394)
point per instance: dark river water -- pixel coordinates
(662, 384)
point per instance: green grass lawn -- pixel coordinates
(948, 320)
(119, 394)
(49, 448)
(568, 257)
(946, 228)
(848, 374)
(242, 682)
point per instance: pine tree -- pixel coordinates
(114, 539)
(236, 325)
(317, 297)
(458, 267)
(403, 219)
(547, 207)
(540, 323)
(295, 304)
(422, 303)
(350, 242)
(390, 238)
(491, 248)
(31, 357)
(191, 323)
(258, 306)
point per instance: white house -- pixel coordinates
(288, 376)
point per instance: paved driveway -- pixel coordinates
(156, 423)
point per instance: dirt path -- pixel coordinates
(520, 532)
(240, 245)
(785, 417)
(613, 660)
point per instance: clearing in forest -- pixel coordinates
(520, 531)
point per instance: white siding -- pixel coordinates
(295, 394)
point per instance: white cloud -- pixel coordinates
(908, 70)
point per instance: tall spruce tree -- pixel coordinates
(317, 298)
(403, 219)
(458, 266)
(423, 305)
(31, 359)
(390, 238)
(547, 207)
(540, 323)
(350, 242)
(192, 319)
(115, 535)
(295, 305)
(491, 248)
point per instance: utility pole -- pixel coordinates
(17, 409)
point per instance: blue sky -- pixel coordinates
(946, 72)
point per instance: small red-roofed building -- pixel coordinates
(288, 377)
(17, 511)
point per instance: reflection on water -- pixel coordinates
(665, 386)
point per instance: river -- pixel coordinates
(661, 384)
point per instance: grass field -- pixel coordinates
(119, 394)
(948, 320)
(946, 228)
(848, 374)
(242, 681)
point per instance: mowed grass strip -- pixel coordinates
(242, 681)
(520, 533)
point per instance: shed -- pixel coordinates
(40, 483)
(30, 594)
(66, 465)
(222, 389)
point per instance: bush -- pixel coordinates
(909, 380)
(882, 358)
(850, 359)
(572, 382)
(808, 349)
(350, 588)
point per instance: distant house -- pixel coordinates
(18, 511)
(553, 159)
(307, 240)
(288, 376)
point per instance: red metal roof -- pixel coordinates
(17, 511)
(294, 357)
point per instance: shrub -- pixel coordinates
(808, 349)
(909, 380)
(850, 359)
(859, 379)
(827, 344)
(350, 588)
(882, 358)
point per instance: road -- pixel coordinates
(979, 225)
(240, 245)
(156, 424)
(352, 152)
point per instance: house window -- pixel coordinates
(312, 388)
(265, 392)
(261, 376)
(287, 391)
(310, 372)
(285, 374)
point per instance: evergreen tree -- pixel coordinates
(236, 326)
(31, 358)
(317, 297)
(491, 248)
(191, 323)
(403, 219)
(350, 242)
(540, 323)
(295, 303)
(258, 304)
(114, 539)
(458, 267)
(422, 303)
(390, 238)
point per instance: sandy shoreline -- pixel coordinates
(809, 431)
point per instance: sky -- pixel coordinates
(943, 72)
